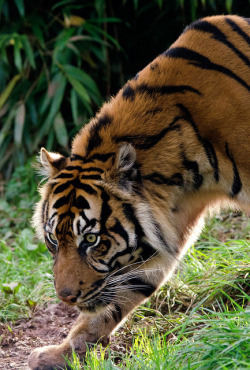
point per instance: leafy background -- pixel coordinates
(59, 60)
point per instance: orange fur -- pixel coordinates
(173, 143)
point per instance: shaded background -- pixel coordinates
(59, 60)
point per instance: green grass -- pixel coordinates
(200, 319)
(25, 265)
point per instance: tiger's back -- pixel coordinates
(204, 77)
(206, 70)
(119, 213)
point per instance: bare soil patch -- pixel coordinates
(48, 325)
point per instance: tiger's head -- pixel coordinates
(88, 217)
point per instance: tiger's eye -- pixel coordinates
(90, 238)
(52, 238)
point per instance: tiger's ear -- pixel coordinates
(125, 165)
(52, 162)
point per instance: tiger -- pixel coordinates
(120, 212)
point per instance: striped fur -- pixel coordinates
(141, 175)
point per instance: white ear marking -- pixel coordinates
(51, 162)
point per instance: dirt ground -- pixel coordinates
(47, 326)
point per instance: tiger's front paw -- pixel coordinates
(48, 358)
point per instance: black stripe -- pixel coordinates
(62, 201)
(81, 203)
(147, 250)
(62, 187)
(129, 213)
(48, 245)
(119, 229)
(160, 236)
(237, 29)
(101, 157)
(90, 292)
(95, 139)
(237, 184)
(146, 142)
(98, 283)
(98, 269)
(115, 257)
(218, 35)
(165, 90)
(77, 157)
(59, 163)
(64, 175)
(74, 168)
(194, 168)
(44, 211)
(117, 313)
(91, 177)
(63, 216)
(159, 179)
(129, 93)
(94, 169)
(87, 188)
(78, 225)
(142, 287)
(207, 145)
(105, 211)
(200, 61)
(52, 216)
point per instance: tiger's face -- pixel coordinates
(89, 227)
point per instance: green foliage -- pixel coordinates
(22, 283)
(49, 59)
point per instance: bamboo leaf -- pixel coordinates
(74, 105)
(7, 91)
(111, 19)
(28, 50)
(7, 125)
(1, 6)
(19, 124)
(17, 54)
(60, 130)
(56, 102)
(37, 30)
(20, 7)
(82, 92)
(50, 140)
(229, 4)
(80, 75)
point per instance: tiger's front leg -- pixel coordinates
(86, 330)
(98, 328)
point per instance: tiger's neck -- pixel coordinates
(180, 195)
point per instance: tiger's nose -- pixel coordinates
(67, 296)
